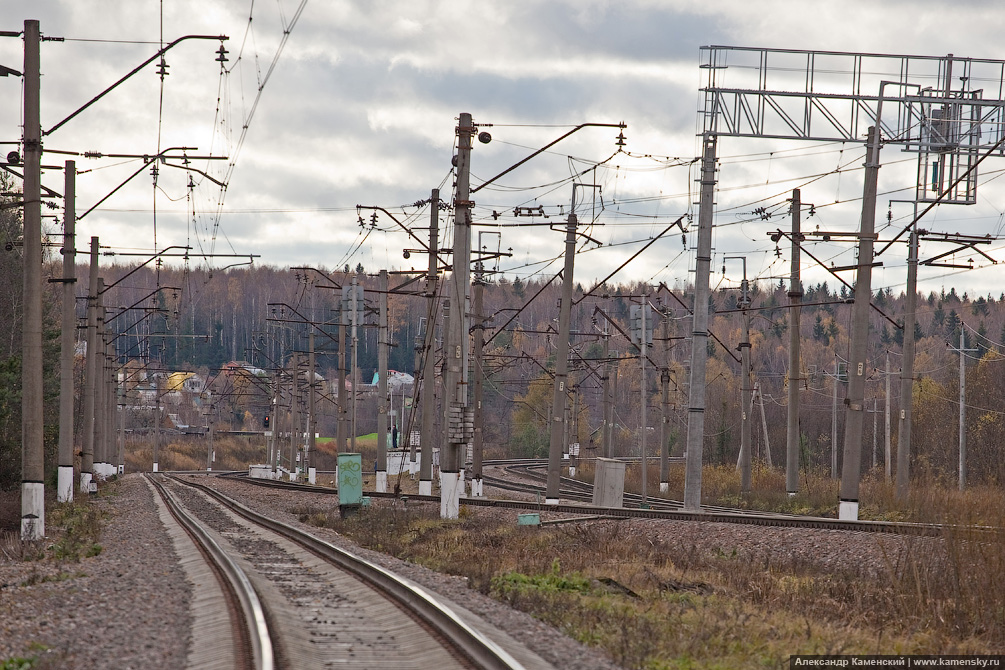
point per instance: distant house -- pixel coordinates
(395, 379)
(188, 382)
(242, 367)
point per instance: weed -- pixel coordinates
(80, 528)
(19, 663)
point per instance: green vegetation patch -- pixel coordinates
(79, 525)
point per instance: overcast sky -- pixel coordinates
(360, 107)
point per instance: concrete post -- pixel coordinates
(907, 370)
(479, 376)
(852, 469)
(382, 345)
(746, 393)
(312, 415)
(343, 400)
(699, 341)
(456, 349)
(32, 443)
(68, 332)
(665, 405)
(90, 372)
(561, 362)
(100, 389)
(428, 378)
(608, 393)
(795, 374)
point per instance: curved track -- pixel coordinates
(339, 609)
(241, 604)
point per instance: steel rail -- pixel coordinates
(235, 580)
(473, 645)
(706, 514)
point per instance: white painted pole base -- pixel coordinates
(450, 484)
(551, 501)
(156, 464)
(381, 486)
(32, 510)
(848, 510)
(64, 484)
(792, 494)
(664, 487)
(85, 482)
(476, 488)
(572, 471)
(122, 469)
(312, 476)
(425, 487)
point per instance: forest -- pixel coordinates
(168, 318)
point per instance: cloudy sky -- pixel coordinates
(358, 106)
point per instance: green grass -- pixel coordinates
(19, 663)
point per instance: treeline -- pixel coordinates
(255, 313)
(194, 318)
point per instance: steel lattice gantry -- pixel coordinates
(947, 109)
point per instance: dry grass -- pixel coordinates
(668, 604)
(189, 453)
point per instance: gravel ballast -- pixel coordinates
(128, 606)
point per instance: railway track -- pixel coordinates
(318, 605)
(583, 491)
(574, 490)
